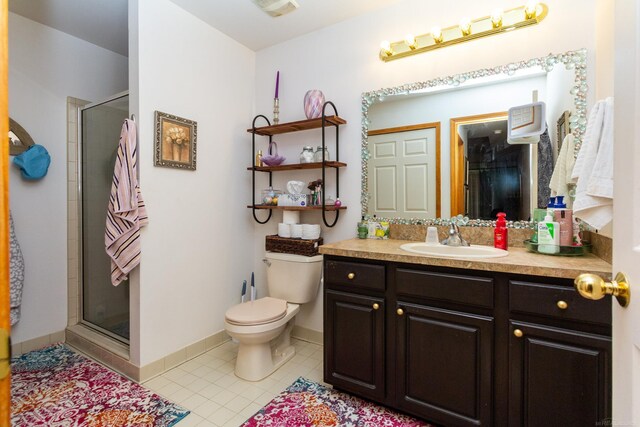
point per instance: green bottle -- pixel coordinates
(363, 229)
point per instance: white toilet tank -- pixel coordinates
(294, 278)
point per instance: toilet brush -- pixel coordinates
(253, 288)
(244, 290)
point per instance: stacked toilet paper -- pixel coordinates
(299, 231)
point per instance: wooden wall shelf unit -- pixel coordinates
(297, 166)
(323, 122)
(298, 208)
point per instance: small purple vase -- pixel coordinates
(313, 103)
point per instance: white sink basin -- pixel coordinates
(444, 251)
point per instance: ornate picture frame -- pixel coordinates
(175, 141)
(563, 128)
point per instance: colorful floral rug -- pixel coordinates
(308, 404)
(56, 387)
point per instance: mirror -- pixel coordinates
(435, 149)
(19, 139)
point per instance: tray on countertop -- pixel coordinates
(564, 250)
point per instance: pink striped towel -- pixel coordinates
(126, 212)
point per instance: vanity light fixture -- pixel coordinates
(436, 34)
(465, 26)
(531, 10)
(410, 40)
(385, 48)
(498, 22)
(496, 18)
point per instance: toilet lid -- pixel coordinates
(258, 312)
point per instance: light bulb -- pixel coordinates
(386, 48)
(530, 10)
(410, 40)
(465, 26)
(496, 18)
(436, 33)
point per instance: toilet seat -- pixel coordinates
(259, 312)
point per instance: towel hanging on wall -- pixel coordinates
(594, 168)
(126, 212)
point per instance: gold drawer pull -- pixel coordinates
(518, 333)
(351, 276)
(400, 312)
(376, 306)
(562, 305)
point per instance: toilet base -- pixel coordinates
(257, 361)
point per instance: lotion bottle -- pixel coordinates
(548, 235)
(501, 233)
(564, 217)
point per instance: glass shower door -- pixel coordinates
(104, 306)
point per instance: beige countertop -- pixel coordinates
(518, 261)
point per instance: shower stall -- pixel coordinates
(103, 307)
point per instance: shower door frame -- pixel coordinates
(81, 320)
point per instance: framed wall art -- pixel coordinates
(563, 127)
(175, 141)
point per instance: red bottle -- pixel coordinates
(501, 234)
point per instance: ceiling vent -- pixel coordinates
(277, 8)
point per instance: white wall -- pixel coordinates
(196, 249)
(46, 66)
(342, 61)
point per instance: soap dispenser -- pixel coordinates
(548, 235)
(501, 233)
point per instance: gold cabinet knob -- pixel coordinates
(562, 305)
(376, 306)
(592, 286)
(400, 312)
(518, 333)
(351, 276)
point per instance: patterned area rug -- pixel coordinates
(56, 387)
(308, 404)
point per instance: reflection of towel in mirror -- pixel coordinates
(16, 267)
(126, 212)
(561, 177)
(545, 168)
(594, 168)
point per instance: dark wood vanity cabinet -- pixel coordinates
(467, 348)
(357, 343)
(444, 364)
(559, 357)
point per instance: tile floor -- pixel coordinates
(207, 386)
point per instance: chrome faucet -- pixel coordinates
(454, 239)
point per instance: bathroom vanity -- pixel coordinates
(493, 342)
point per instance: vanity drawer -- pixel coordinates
(475, 291)
(557, 302)
(355, 274)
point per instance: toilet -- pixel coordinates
(263, 327)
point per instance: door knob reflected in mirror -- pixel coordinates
(592, 286)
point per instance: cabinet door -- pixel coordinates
(445, 365)
(558, 377)
(354, 343)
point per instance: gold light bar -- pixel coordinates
(530, 14)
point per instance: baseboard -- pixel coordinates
(20, 348)
(185, 354)
(306, 334)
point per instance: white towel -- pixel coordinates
(126, 212)
(561, 177)
(594, 168)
